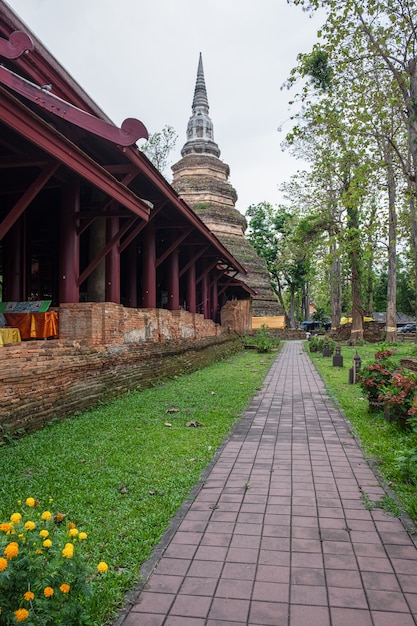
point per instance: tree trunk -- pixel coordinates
(292, 307)
(278, 291)
(356, 333)
(370, 265)
(306, 302)
(335, 286)
(414, 243)
(391, 335)
(412, 118)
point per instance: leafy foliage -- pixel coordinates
(159, 147)
(45, 575)
(357, 126)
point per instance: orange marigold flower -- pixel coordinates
(82, 535)
(15, 518)
(65, 588)
(73, 532)
(68, 551)
(39, 551)
(48, 592)
(28, 596)
(71, 525)
(21, 615)
(30, 525)
(30, 501)
(3, 564)
(47, 543)
(11, 550)
(102, 567)
(46, 515)
(6, 527)
(44, 533)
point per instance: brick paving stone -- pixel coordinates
(298, 547)
(229, 609)
(199, 586)
(351, 617)
(344, 578)
(165, 584)
(371, 549)
(191, 606)
(309, 615)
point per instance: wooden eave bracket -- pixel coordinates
(18, 43)
(130, 131)
(17, 116)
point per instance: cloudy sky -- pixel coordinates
(138, 58)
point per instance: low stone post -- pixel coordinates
(338, 359)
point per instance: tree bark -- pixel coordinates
(412, 119)
(391, 334)
(414, 243)
(335, 286)
(356, 333)
(278, 291)
(292, 307)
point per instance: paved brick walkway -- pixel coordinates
(279, 533)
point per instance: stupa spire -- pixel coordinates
(200, 93)
(200, 127)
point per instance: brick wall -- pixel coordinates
(41, 380)
(107, 323)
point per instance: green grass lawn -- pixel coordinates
(122, 470)
(387, 444)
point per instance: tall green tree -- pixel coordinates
(380, 35)
(272, 232)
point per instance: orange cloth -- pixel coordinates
(34, 325)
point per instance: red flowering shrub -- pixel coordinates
(401, 391)
(374, 376)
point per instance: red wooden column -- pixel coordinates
(173, 281)
(13, 289)
(70, 245)
(191, 290)
(214, 301)
(132, 286)
(113, 263)
(205, 295)
(149, 268)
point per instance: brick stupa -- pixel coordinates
(202, 180)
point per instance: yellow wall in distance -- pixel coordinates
(277, 321)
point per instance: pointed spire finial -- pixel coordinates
(200, 92)
(200, 127)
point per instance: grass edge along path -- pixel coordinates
(383, 443)
(122, 470)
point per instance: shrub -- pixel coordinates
(406, 463)
(400, 392)
(374, 376)
(45, 578)
(264, 341)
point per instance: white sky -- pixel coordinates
(138, 58)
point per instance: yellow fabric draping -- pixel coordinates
(9, 335)
(34, 325)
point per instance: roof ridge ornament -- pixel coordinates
(131, 129)
(18, 43)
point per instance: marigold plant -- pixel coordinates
(45, 577)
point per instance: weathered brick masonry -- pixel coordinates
(41, 380)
